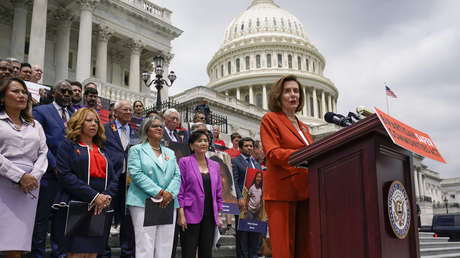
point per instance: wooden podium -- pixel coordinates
(350, 173)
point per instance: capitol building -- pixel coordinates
(112, 42)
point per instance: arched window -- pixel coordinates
(257, 61)
(237, 65)
(246, 98)
(229, 67)
(314, 67)
(242, 26)
(290, 61)
(280, 60)
(306, 65)
(247, 63)
(222, 71)
(269, 61)
(259, 100)
(299, 63)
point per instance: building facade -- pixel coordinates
(107, 42)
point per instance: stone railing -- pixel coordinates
(116, 92)
(149, 7)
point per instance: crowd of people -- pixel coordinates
(56, 151)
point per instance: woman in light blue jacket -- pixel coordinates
(154, 174)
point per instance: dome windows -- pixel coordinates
(274, 21)
(258, 22)
(306, 65)
(257, 61)
(221, 71)
(259, 100)
(280, 60)
(237, 65)
(242, 27)
(290, 61)
(269, 61)
(247, 62)
(229, 67)
(299, 63)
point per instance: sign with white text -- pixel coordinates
(409, 138)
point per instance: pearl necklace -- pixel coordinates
(157, 149)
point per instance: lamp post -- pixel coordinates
(159, 81)
(447, 204)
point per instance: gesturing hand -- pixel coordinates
(28, 182)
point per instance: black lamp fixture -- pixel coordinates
(158, 81)
(446, 201)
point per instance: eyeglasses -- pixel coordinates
(64, 91)
(155, 126)
(5, 68)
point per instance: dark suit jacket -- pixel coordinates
(117, 154)
(54, 129)
(168, 139)
(239, 166)
(73, 172)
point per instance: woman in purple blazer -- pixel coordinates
(200, 198)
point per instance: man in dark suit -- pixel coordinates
(119, 137)
(247, 243)
(172, 119)
(53, 118)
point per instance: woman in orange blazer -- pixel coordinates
(285, 188)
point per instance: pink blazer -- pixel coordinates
(191, 193)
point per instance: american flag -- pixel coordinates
(390, 92)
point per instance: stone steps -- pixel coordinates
(437, 247)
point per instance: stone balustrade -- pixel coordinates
(149, 7)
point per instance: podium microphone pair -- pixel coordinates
(342, 120)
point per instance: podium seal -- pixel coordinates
(398, 209)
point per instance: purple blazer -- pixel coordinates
(191, 194)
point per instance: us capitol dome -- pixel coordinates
(262, 44)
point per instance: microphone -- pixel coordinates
(354, 117)
(337, 119)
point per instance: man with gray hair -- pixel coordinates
(5, 68)
(53, 118)
(172, 120)
(16, 65)
(36, 73)
(120, 135)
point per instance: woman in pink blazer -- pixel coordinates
(200, 198)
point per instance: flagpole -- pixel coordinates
(388, 107)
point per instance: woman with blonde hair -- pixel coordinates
(85, 174)
(23, 162)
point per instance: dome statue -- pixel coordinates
(262, 44)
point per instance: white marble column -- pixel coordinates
(18, 33)
(329, 103)
(238, 94)
(251, 95)
(308, 101)
(264, 97)
(304, 110)
(64, 19)
(84, 39)
(104, 35)
(134, 65)
(420, 184)
(323, 104)
(315, 104)
(38, 33)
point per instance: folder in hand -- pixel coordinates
(81, 222)
(154, 215)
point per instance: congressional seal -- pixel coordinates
(398, 209)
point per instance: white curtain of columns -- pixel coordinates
(134, 65)
(104, 35)
(84, 39)
(308, 101)
(18, 37)
(238, 94)
(315, 104)
(329, 103)
(251, 94)
(38, 33)
(64, 19)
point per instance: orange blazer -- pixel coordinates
(280, 139)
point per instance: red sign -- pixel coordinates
(409, 138)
